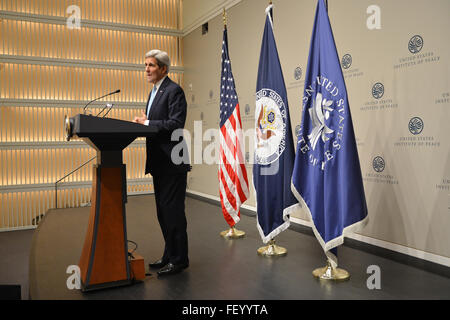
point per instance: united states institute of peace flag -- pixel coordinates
(327, 176)
(233, 181)
(274, 147)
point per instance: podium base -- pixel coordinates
(104, 285)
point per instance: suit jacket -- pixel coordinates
(167, 113)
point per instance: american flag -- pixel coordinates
(233, 182)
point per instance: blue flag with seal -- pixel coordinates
(274, 147)
(327, 175)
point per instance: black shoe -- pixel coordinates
(171, 268)
(158, 264)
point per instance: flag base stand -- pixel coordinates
(330, 273)
(232, 233)
(272, 250)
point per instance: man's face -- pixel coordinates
(153, 72)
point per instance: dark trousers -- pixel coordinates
(170, 193)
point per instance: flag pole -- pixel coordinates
(308, 186)
(272, 250)
(231, 233)
(224, 17)
(330, 273)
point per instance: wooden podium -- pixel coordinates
(104, 260)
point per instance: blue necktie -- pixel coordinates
(152, 96)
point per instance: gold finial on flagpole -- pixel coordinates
(269, 10)
(224, 16)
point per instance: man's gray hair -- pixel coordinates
(161, 57)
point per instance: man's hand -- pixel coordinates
(141, 119)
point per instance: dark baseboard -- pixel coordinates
(399, 257)
(356, 244)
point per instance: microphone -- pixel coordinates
(114, 92)
(110, 107)
(106, 106)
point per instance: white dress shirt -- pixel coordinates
(157, 85)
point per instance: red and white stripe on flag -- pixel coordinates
(233, 182)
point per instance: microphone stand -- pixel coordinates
(108, 110)
(106, 106)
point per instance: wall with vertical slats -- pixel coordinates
(48, 71)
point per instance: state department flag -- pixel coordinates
(233, 182)
(274, 147)
(327, 176)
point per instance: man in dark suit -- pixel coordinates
(166, 111)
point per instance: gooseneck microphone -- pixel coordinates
(114, 92)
